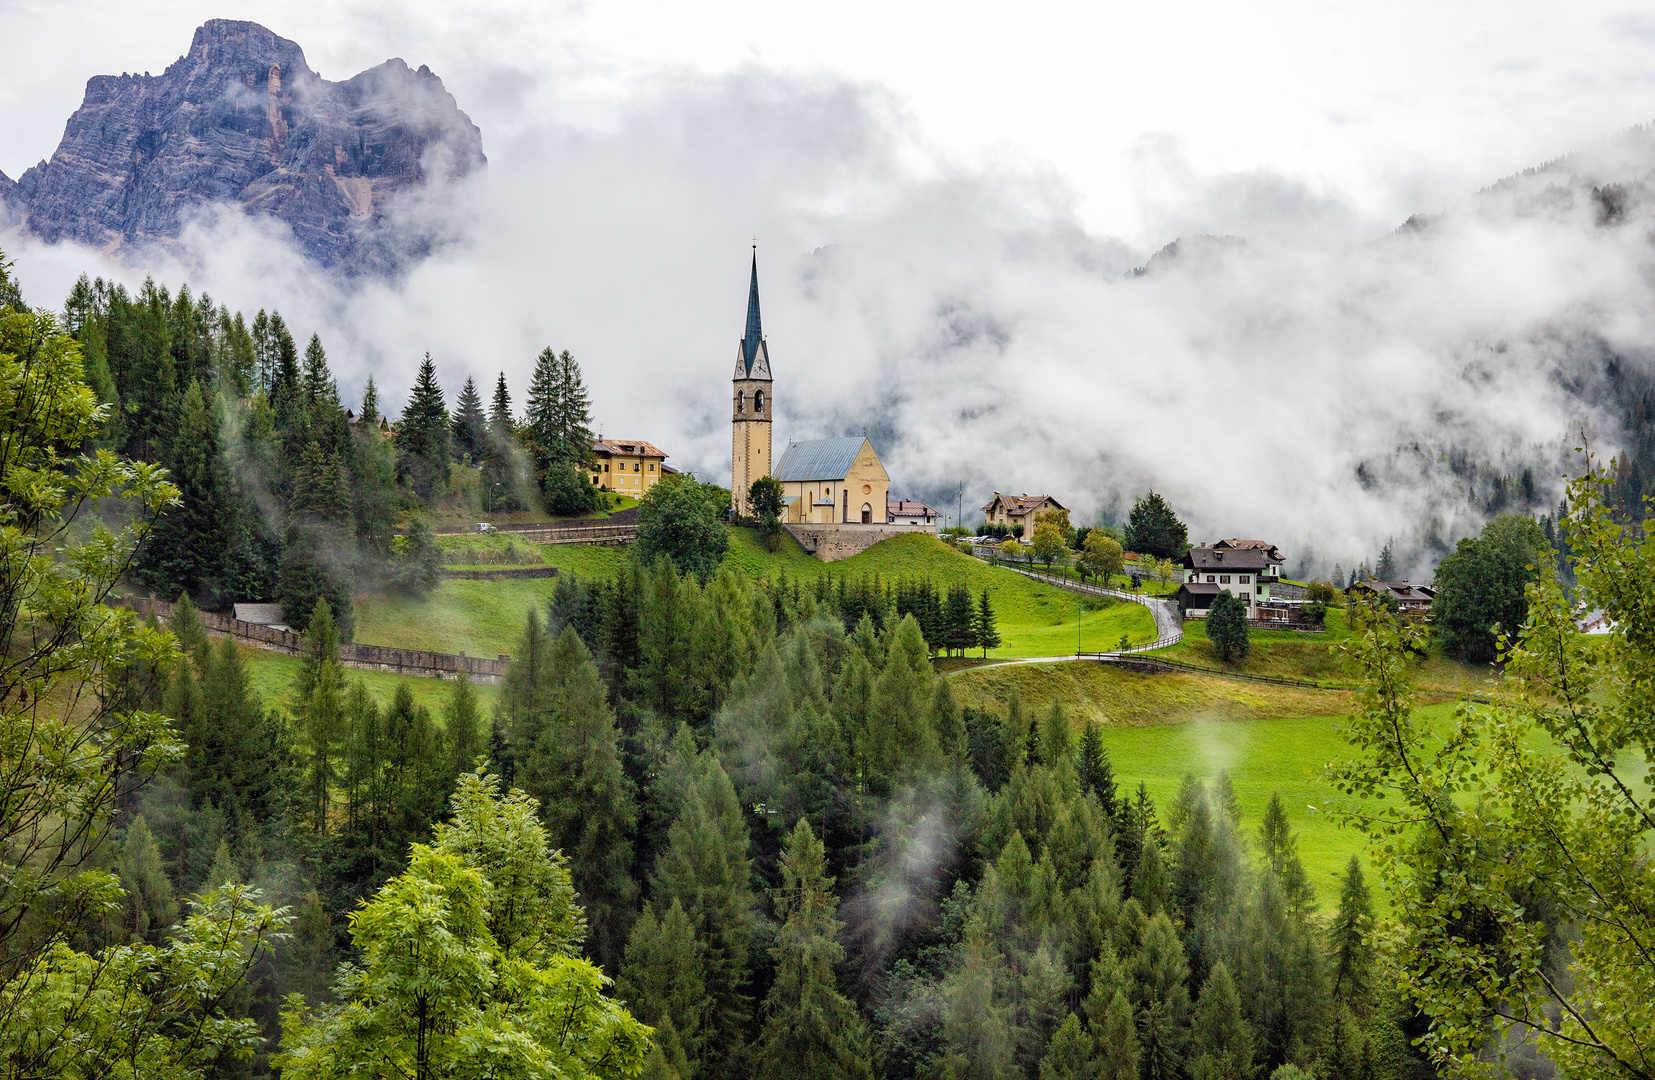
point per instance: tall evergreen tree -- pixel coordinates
(423, 446)
(663, 983)
(1096, 771)
(1069, 1054)
(706, 869)
(811, 1032)
(1221, 1043)
(470, 424)
(1352, 960)
(462, 724)
(318, 693)
(499, 412)
(191, 549)
(1117, 1041)
(985, 627)
(567, 752)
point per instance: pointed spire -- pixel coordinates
(755, 332)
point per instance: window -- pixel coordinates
(1247, 599)
(636, 467)
(741, 401)
(1260, 590)
(1245, 579)
(1224, 579)
(758, 401)
(652, 466)
(1209, 579)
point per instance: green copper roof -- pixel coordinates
(755, 332)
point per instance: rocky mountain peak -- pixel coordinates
(241, 119)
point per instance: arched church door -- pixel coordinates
(867, 514)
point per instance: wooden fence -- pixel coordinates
(414, 662)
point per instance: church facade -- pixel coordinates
(835, 492)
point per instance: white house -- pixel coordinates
(909, 512)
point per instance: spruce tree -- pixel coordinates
(959, 618)
(1227, 627)
(706, 869)
(1221, 1042)
(574, 413)
(663, 983)
(567, 750)
(1095, 770)
(191, 548)
(499, 412)
(423, 445)
(540, 418)
(1117, 1041)
(470, 425)
(810, 1029)
(984, 628)
(461, 723)
(318, 692)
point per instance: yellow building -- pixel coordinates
(750, 405)
(630, 467)
(833, 480)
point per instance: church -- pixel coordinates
(824, 481)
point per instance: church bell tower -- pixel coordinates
(750, 406)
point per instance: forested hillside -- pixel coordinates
(791, 850)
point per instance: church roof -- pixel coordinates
(819, 459)
(755, 329)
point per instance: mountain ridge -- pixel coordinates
(241, 119)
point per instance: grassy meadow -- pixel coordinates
(484, 618)
(272, 676)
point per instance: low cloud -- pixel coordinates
(1308, 381)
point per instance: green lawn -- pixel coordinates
(1284, 756)
(484, 618)
(1115, 697)
(1290, 655)
(272, 675)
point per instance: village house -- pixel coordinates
(1244, 567)
(825, 481)
(908, 512)
(1410, 599)
(629, 466)
(1013, 510)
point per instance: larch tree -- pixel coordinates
(811, 1031)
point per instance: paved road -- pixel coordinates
(1169, 623)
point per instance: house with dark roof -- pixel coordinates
(1018, 509)
(828, 481)
(1245, 568)
(629, 466)
(909, 512)
(1409, 599)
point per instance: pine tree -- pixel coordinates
(567, 750)
(1069, 1054)
(423, 446)
(470, 424)
(499, 413)
(1095, 770)
(959, 621)
(318, 689)
(706, 869)
(664, 984)
(1385, 568)
(540, 418)
(461, 724)
(1117, 1040)
(574, 413)
(1221, 1041)
(191, 548)
(1352, 960)
(810, 1029)
(985, 628)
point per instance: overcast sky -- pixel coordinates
(1135, 108)
(946, 198)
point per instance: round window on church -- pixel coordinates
(867, 489)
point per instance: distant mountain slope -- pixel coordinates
(241, 119)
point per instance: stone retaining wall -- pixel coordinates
(830, 543)
(425, 665)
(494, 575)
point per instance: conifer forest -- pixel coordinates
(711, 827)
